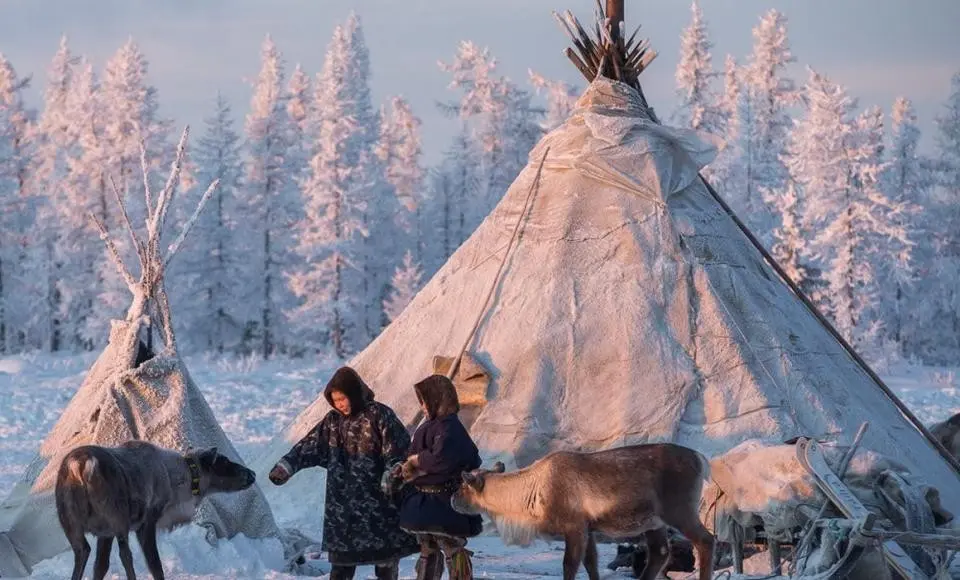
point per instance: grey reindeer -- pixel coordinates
(137, 487)
(621, 493)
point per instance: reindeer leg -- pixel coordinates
(147, 536)
(658, 554)
(81, 553)
(102, 562)
(576, 546)
(123, 545)
(703, 541)
(591, 559)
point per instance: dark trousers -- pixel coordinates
(389, 571)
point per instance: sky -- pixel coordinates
(878, 49)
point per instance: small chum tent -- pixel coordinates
(632, 307)
(120, 400)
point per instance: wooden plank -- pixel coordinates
(811, 457)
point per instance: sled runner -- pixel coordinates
(811, 457)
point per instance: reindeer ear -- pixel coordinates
(473, 480)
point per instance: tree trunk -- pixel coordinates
(337, 330)
(3, 317)
(265, 314)
(217, 300)
(56, 324)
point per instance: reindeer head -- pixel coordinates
(469, 497)
(218, 473)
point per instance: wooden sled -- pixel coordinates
(810, 455)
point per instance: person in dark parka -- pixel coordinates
(441, 451)
(356, 442)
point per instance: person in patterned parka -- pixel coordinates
(358, 441)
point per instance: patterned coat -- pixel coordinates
(360, 523)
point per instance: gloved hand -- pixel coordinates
(410, 468)
(280, 473)
(390, 478)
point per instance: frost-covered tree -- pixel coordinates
(789, 239)
(452, 186)
(209, 271)
(329, 282)
(763, 119)
(377, 255)
(270, 202)
(399, 152)
(133, 120)
(504, 126)
(78, 252)
(16, 207)
(561, 99)
(694, 75)
(723, 171)
(130, 120)
(836, 161)
(300, 113)
(55, 138)
(944, 334)
(906, 183)
(403, 287)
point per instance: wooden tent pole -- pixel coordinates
(615, 16)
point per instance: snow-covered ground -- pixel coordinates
(253, 400)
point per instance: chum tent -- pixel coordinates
(632, 306)
(125, 397)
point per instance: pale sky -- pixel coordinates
(879, 49)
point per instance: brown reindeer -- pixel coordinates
(620, 493)
(948, 433)
(110, 491)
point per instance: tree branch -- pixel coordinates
(166, 320)
(137, 244)
(163, 204)
(146, 180)
(112, 248)
(175, 246)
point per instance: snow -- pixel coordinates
(253, 400)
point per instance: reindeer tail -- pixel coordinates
(81, 468)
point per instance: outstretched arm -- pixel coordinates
(311, 451)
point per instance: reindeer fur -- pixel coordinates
(621, 493)
(948, 433)
(110, 491)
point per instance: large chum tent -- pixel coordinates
(125, 397)
(632, 306)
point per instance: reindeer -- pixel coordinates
(110, 491)
(620, 493)
(948, 433)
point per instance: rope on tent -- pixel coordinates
(534, 187)
(455, 363)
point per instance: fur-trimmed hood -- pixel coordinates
(439, 395)
(347, 381)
